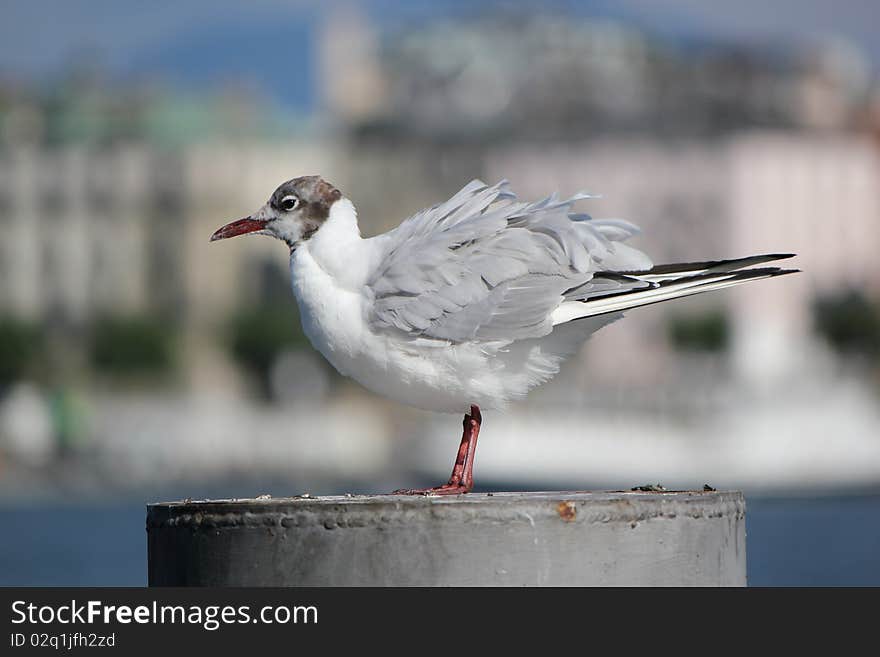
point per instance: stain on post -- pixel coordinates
(567, 511)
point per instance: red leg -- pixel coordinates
(462, 478)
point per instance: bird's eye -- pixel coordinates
(289, 203)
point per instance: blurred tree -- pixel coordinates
(259, 334)
(21, 346)
(850, 321)
(131, 346)
(709, 332)
(69, 417)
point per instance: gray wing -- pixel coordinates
(484, 266)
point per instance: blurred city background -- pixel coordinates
(140, 363)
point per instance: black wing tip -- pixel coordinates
(775, 256)
(737, 275)
(684, 267)
(754, 272)
(740, 274)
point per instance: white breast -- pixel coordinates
(332, 317)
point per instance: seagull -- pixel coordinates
(471, 303)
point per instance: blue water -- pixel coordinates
(827, 541)
(73, 545)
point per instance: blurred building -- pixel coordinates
(87, 232)
(352, 85)
(540, 76)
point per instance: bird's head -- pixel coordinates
(294, 212)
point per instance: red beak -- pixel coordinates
(240, 227)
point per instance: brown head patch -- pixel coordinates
(315, 195)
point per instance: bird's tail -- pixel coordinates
(613, 292)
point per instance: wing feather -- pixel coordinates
(485, 266)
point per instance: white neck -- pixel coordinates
(336, 246)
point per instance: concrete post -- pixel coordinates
(517, 539)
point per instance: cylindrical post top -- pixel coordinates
(559, 538)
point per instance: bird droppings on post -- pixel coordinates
(649, 488)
